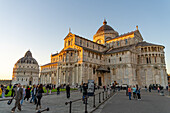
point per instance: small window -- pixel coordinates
(94, 71)
(80, 42)
(93, 46)
(18, 79)
(87, 44)
(117, 43)
(71, 54)
(22, 79)
(125, 41)
(109, 60)
(98, 47)
(120, 59)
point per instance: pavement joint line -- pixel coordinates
(103, 103)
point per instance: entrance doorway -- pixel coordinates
(99, 81)
(30, 81)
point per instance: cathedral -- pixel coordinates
(126, 59)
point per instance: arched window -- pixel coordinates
(80, 42)
(120, 59)
(94, 71)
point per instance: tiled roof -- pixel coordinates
(90, 41)
(120, 49)
(50, 63)
(85, 48)
(147, 44)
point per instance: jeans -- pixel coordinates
(3, 94)
(32, 98)
(129, 95)
(22, 99)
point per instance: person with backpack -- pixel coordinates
(39, 96)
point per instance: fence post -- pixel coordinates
(106, 94)
(70, 106)
(86, 105)
(94, 101)
(103, 95)
(99, 98)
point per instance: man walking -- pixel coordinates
(18, 96)
(68, 91)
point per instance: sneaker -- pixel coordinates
(12, 111)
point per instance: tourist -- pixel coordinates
(13, 91)
(150, 88)
(3, 91)
(58, 90)
(146, 88)
(27, 93)
(104, 88)
(33, 94)
(85, 87)
(158, 89)
(39, 96)
(134, 92)
(0, 90)
(129, 92)
(68, 91)
(23, 94)
(50, 88)
(18, 96)
(138, 93)
(47, 88)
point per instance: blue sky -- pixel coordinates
(41, 25)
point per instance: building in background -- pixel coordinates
(126, 59)
(26, 70)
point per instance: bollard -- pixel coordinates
(106, 94)
(70, 106)
(86, 105)
(94, 101)
(103, 95)
(99, 98)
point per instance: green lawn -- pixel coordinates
(45, 91)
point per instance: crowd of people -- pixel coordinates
(135, 90)
(21, 93)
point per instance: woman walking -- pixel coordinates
(23, 94)
(129, 92)
(39, 96)
(27, 93)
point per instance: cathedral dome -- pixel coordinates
(104, 28)
(27, 59)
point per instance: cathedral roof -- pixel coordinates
(50, 64)
(120, 49)
(104, 28)
(147, 44)
(27, 58)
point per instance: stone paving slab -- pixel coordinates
(55, 102)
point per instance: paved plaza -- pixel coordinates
(118, 103)
(56, 104)
(150, 103)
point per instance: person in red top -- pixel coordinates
(129, 91)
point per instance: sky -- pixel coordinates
(41, 25)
